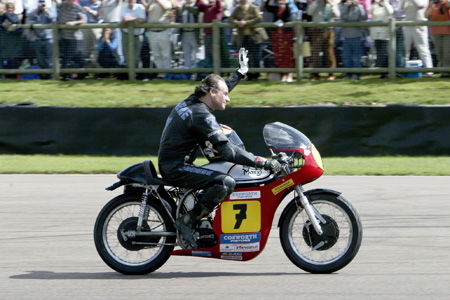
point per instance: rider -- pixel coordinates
(190, 124)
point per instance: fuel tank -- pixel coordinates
(241, 174)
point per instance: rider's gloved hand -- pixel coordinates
(243, 61)
(271, 164)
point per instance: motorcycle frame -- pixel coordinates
(255, 207)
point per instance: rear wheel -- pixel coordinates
(331, 251)
(133, 255)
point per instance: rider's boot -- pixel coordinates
(185, 223)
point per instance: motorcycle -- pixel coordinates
(320, 231)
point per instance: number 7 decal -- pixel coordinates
(241, 216)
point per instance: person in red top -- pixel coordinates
(212, 10)
(282, 38)
(439, 10)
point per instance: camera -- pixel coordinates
(436, 1)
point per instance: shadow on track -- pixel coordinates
(47, 275)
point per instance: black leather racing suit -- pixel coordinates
(189, 125)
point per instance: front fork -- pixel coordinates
(313, 214)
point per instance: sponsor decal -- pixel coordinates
(246, 195)
(252, 172)
(241, 216)
(276, 190)
(240, 238)
(231, 255)
(201, 253)
(250, 247)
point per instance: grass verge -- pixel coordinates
(159, 93)
(76, 164)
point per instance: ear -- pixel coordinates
(212, 91)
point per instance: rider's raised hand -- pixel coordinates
(243, 61)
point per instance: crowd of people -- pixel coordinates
(191, 47)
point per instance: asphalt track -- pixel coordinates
(47, 251)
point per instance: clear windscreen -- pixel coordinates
(281, 136)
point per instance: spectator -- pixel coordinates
(188, 14)
(212, 10)
(107, 46)
(439, 10)
(367, 4)
(159, 38)
(11, 38)
(399, 15)
(19, 7)
(91, 35)
(228, 8)
(110, 13)
(352, 11)
(417, 35)
(71, 14)
(245, 15)
(381, 11)
(132, 13)
(322, 39)
(41, 40)
(31, 5)
(302, 6)
(282, 38)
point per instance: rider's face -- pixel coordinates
(219, 96)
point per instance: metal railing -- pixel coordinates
(299, 68)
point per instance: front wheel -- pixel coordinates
(331, 251)
(133, 255)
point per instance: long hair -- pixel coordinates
(210, 82)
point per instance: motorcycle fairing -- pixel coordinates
(243, 221)
(249, 211)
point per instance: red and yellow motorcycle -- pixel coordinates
(320, 231)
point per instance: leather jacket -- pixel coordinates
(189, 125)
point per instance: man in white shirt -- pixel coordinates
(159, 38)
(417, 35)
(132, 13)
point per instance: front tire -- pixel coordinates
(122, 255)
(335, 248)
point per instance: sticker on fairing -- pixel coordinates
(252, 237)
(246, 195)
(231, 255)
(278, 189)
(252, 172)
(250, 247)
(201, 253)
(241, 216)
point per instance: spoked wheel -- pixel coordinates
(124, 252)
(331, 251)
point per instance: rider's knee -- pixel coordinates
(229, 183)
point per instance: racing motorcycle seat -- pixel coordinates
(142, 173)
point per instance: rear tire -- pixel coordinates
(335, 248)
(122, 255)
